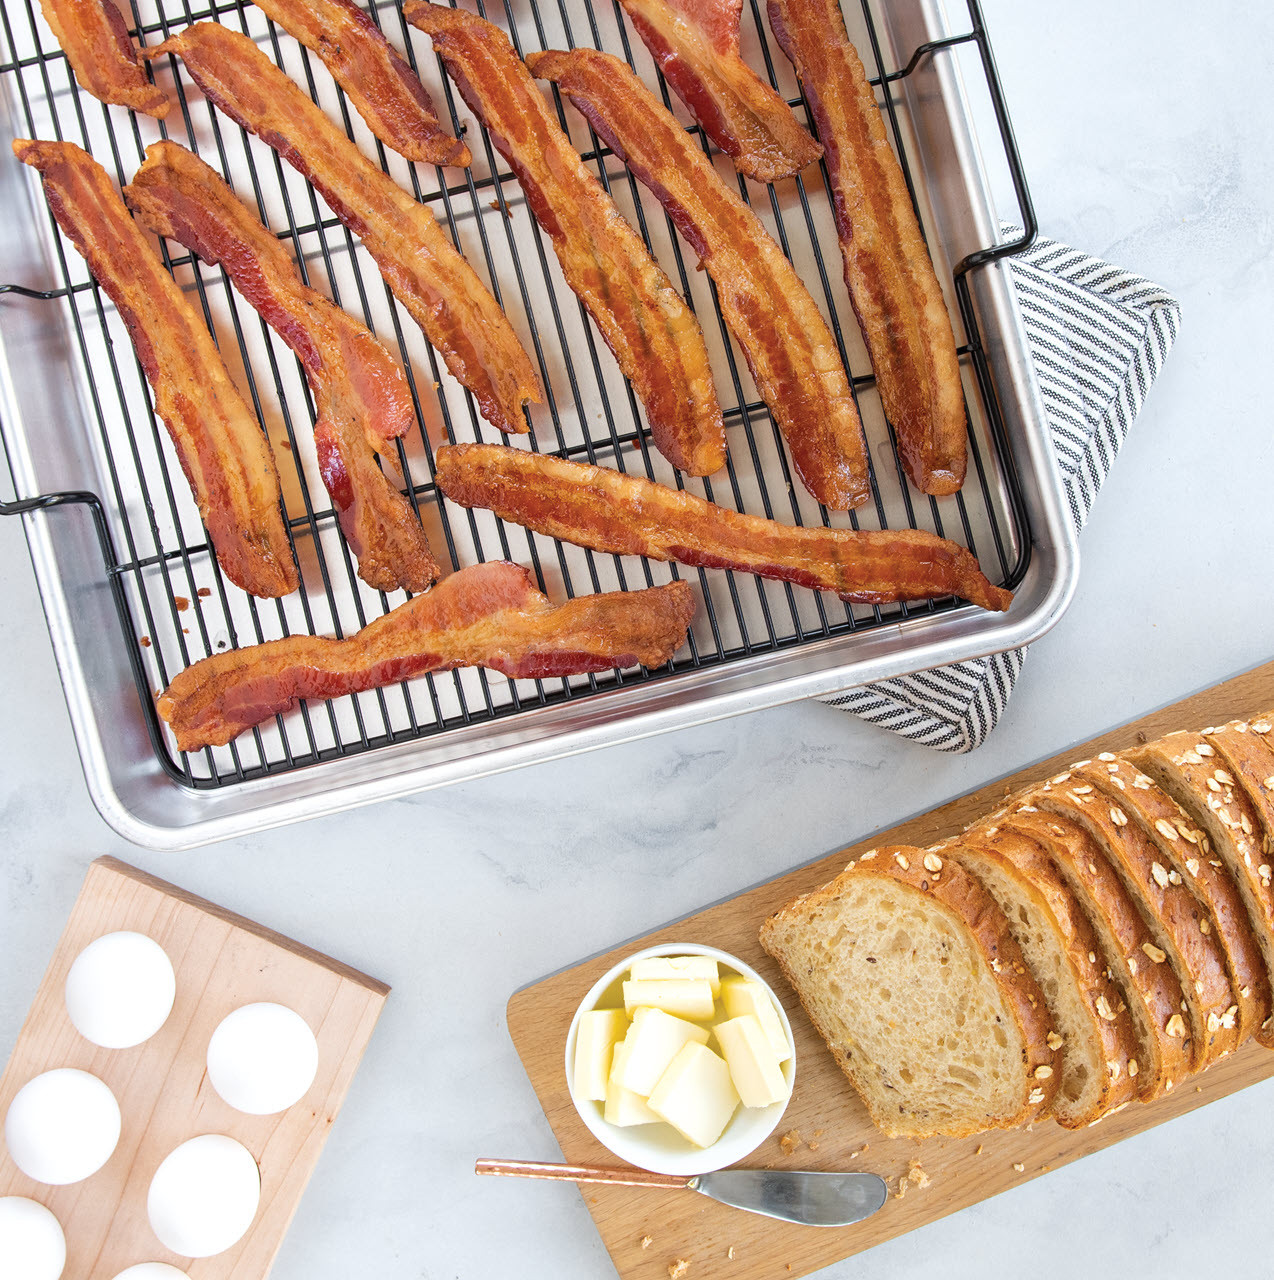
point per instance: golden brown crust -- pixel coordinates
(979, 913)
(1232, 826)
(1172, 912)
(1175, 836)
(1024, 860)
(1165, 1057)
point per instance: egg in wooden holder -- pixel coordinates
(225, 1051)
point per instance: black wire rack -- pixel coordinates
(174, 605)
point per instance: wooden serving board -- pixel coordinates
(221, 962)
(835, 1131)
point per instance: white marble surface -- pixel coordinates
(1144, 131)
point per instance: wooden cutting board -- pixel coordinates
(646, 1231)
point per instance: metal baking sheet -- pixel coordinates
(76, 417)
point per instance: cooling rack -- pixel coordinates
(131, 588)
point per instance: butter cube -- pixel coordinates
(753, 1066)
(599, 1030)
(653, 1040)
(695, 1095)
(740, 996)
(682, 997)
(625, 1108)
(664, 967)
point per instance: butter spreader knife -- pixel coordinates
(791, 1195)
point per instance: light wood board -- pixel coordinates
(834, 1128)
(221, 962)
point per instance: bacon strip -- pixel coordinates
(654, 335)
(221, 447)
(94, 36)
(437, 286)
(695, 44)
(489, 615)
(888, 273)
(629, 516)
(375, 76)
(788, 346)
(360, 391)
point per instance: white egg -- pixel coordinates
(120, 990)
(62, 1126)
(204, 1196)
(262, 1058)
(33, 1246)
(152, 1271)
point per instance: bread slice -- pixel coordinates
(1169, 907)
(1248, 749)
(1062, 951)
(1227, 827)
(1150, 990)
(1162, 821)
(908, 970)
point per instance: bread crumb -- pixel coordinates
(646, 1242)
(790, 1141)
(1019, 1168)
(678, 1268)
(729, 1253)
(813, 1146)
(902, 1187)
(917, 1175)
(978, 1152)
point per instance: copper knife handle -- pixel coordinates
(580, 1173)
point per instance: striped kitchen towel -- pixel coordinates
(1098, 337)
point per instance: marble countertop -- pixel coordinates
(1144, 133)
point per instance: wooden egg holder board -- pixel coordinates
(221, 962)
(835, 1131)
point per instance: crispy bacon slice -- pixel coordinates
(888, 272)
(94, 36)
(375, 76)
(788, 346)
(360, 390)
(489, 615)
(654, 335)
(221, 447)
(695, 44)
(629, 516)
(437, 286)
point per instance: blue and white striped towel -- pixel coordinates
(1098, 337)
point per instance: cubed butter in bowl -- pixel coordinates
(680, 1059)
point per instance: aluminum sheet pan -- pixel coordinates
(75, 413)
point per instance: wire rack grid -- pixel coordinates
(173, 602)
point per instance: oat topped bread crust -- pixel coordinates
(1099, 1073)
(1150, 988)
(1172, 913)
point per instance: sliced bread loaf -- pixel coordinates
(908, 970)
(1149, 987)
(1167, 825)
(1172, 912)
(1069, 964)
(1228, 827)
